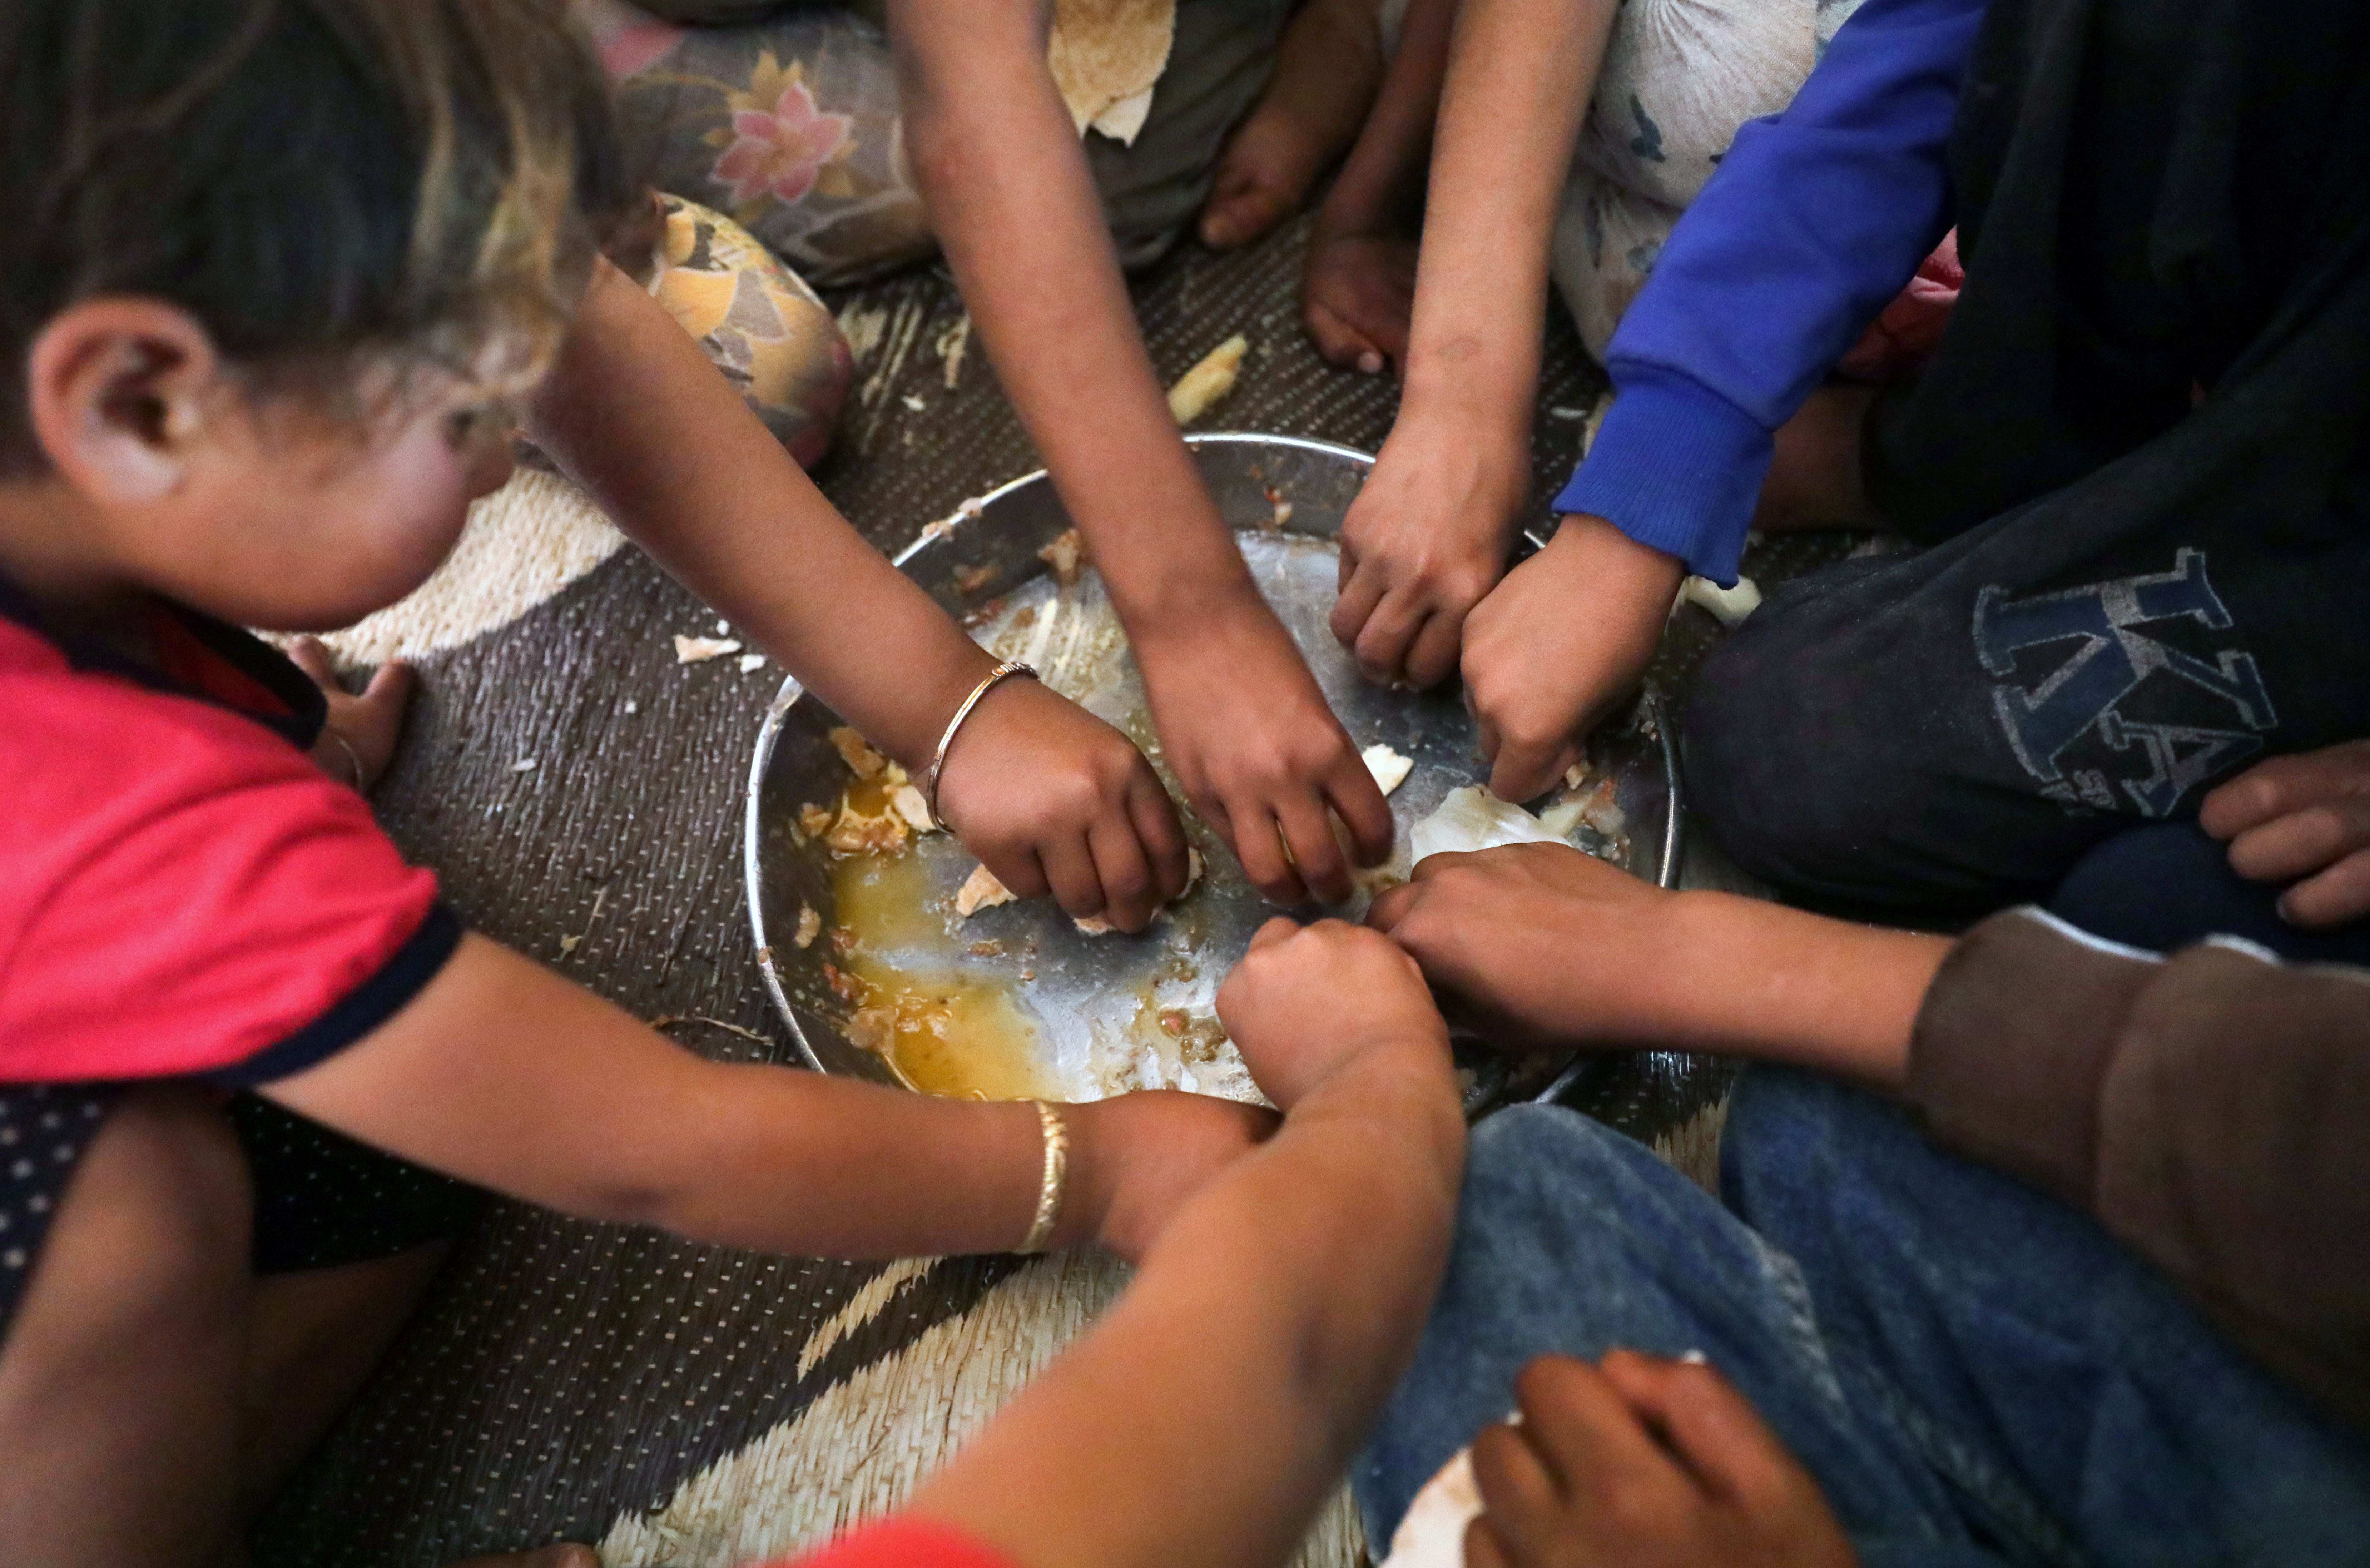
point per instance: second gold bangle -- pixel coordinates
(1053, 1181)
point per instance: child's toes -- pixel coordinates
(1337, 343)
(1241, 211)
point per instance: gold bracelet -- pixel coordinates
(1005, 671)
(1056, 1178)
(347, 746)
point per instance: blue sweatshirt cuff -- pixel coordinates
(1675, 467)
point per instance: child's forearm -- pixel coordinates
(1760, 980)
(634, 412)
(1520, 74)
(1021, 224)
(503, 1073)
(1265, 1329)
(1381, 182)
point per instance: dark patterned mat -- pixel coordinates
(692, 1404)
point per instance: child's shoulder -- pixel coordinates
(180, 888)
(58, 712)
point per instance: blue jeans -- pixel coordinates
(1973, 1372)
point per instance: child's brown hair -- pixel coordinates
(326, 185)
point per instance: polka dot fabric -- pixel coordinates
(321, 1199)
(44, 1130)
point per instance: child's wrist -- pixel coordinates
(1467, 387)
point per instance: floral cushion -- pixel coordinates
(758, 320)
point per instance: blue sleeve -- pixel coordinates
(1817, 218)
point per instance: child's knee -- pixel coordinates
(1777, 787)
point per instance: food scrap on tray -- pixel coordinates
(1201, 388)
(1389, 768)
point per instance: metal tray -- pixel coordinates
(1088, 998)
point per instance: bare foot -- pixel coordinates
(1358, 296)
(567, 1554)
(1328, 67)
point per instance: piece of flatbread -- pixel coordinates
(980, 890)
(855, 751)
(1106, 56)
(1389, 768)
(699, 649)
(1096, 926)
(1201, 388)
(1431, 1533)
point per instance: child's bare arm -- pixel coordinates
(1545, 945)
(1206, 1419)
(504, 1074)
(1430, 533)
(1242, 721)
(1050, 797)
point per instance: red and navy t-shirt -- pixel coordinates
(182, 892)
(903, 1542)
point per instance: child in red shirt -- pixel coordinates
(285, 277)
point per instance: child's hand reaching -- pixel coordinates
(2305, 819)
(1305, 1001)
(359, 739)
(1260, 754)
(1646, 1462)
(1052, 798)
(1567, 635)
(1540, 943)
(1426, 540)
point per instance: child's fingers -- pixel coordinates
(1580, 1423)
(1358, 801)
(1710, 1426)
(1258, 845)
(1520, 771)
(2302, 842)
(1438, 643)
(390, 686)
(2284, 785)
(1360, 595)
(1486, 739)
(2337, 896)
(1382, 646)
(1070, 873)
(1124, 873)
(1323, 868)
(1023, 871)
(1517, 1484)
(1392, 905)
(1163, 837)
(1482, 1548)
(312, 656)
(1280, 928)
(1519, 1495)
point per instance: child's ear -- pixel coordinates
(121, 390)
